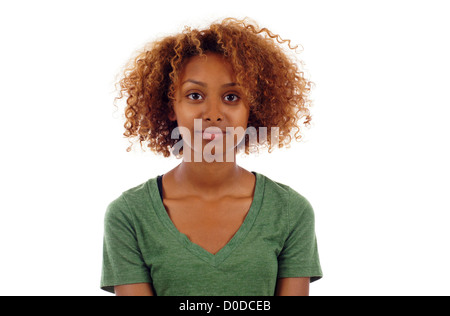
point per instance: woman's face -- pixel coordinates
(208, 97)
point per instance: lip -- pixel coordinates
(214, 130)
(212, 133)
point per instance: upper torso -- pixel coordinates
(208, 223)
(149, 242)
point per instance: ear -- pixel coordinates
(172, 116)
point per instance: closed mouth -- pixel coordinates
(213, 130)
(212, 133)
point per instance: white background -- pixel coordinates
(375, 164)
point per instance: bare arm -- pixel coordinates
(138, 289)
(293, 287)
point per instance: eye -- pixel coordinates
(194, 96)
(231, 98)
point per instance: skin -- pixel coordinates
(217, 106)
(208, 91)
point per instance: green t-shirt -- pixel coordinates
(276, 240)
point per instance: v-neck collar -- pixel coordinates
(239, 236)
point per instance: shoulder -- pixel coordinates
(295, 204)
(300, 209)
(128, 202)
(275, 191)
(280, 191)
(138, 194)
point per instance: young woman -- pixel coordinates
(208, 226)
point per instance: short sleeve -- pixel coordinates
(122, 258)
(299, 256)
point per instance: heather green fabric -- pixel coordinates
(276, 240)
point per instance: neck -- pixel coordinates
(208, 178)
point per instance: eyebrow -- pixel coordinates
(231, 84)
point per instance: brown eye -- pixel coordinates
(194, 96)
(231, 98)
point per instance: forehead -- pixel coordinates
(211, 66)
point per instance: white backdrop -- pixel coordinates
(374, 165)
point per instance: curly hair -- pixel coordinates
(275, 87)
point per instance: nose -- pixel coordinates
(212, 112)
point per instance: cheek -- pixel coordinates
(183, 115)
(242, 118)
(240, 122)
